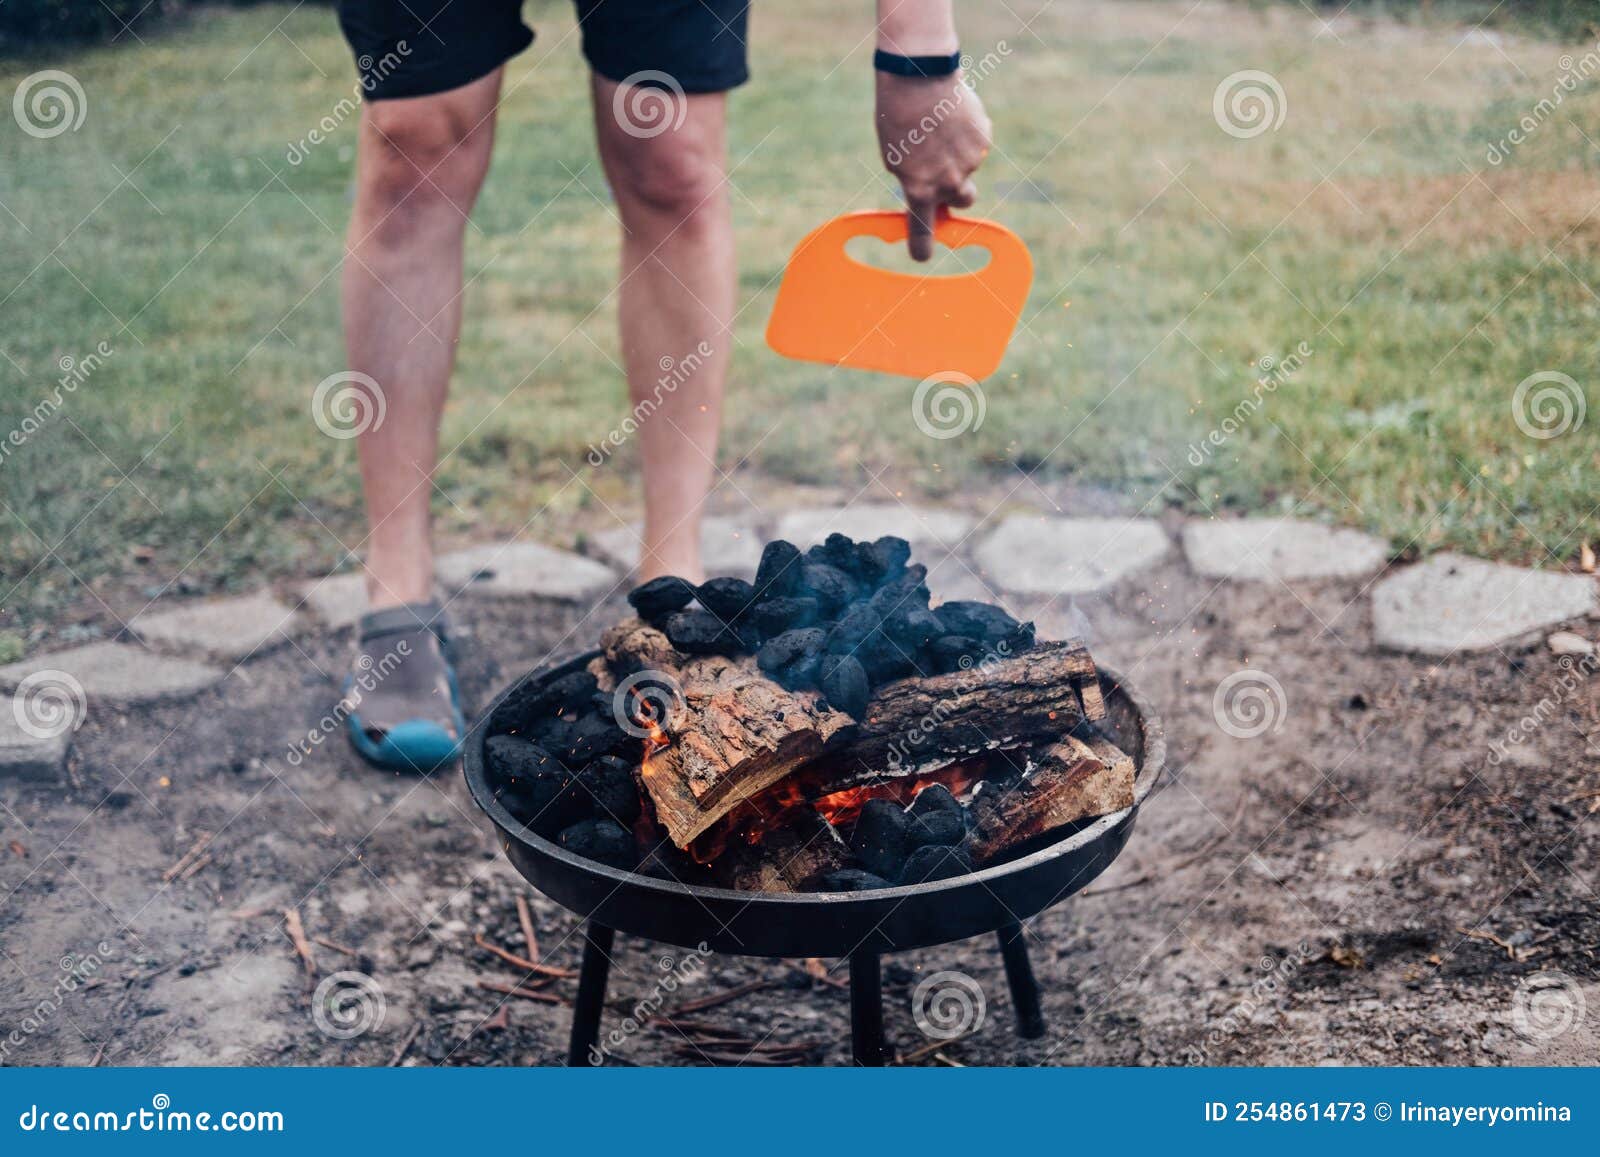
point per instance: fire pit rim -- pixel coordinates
(474, 769)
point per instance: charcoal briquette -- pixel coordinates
(782, 650)
(880, 561)
(728, 598)
(913, 628)
(844, 682)
(838, 551)
(593, 735)
(571, 692)
(878, 838)
(538, 790)
(831, 587)
(989, 624)
(602, 840)
(775, 616)
(661, 596)
(778, 575)
(955, 653)
(937, 818)
(699, 633)
(935, 862)
(609, 782)
(850, 880)
(857, 622)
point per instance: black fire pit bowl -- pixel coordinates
(858, 925)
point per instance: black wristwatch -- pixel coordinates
(897, 65)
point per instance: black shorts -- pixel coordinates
(419, 47)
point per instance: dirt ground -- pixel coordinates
(1400, 873)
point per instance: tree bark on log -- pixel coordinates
(1073, 780)
(739, 733)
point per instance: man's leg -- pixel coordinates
(420, 163)
(677, 292)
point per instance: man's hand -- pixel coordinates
(933, 134)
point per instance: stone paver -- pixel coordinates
(25, 756)
(121, 673)
(932, 533)
(1037, 555)
(728, 546)
(1569, 643)
(230, 629)
(338, 599)
(1280, 548)
(510, 569)
(1452, 602)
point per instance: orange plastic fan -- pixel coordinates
(832, 308)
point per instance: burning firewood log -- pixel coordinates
(1071, 780)
(739, 732)
(792, 858)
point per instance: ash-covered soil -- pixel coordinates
(1369, 880)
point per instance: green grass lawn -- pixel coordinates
(1171, 257)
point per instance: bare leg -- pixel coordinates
(676, 307)
(420, 163)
